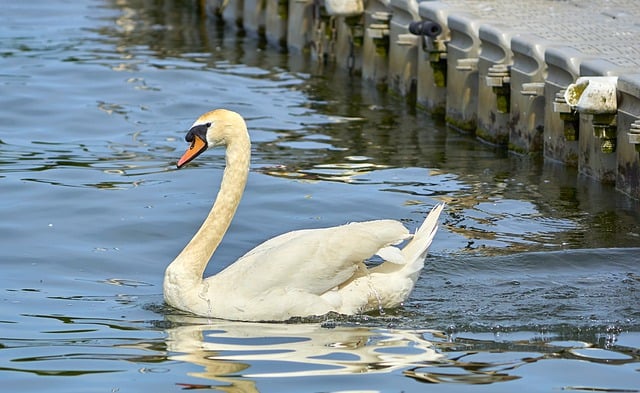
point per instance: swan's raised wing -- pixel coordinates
(313, 260)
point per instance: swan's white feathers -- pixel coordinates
(312, 260)
(392, 254)
(425, 233)
(300, 273)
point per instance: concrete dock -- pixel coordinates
(540, 77)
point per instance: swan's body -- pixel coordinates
(297, 274)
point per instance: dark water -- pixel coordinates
(533, 281)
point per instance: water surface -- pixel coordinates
(532, 282)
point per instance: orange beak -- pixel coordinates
(198, 145)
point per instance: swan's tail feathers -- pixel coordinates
(416, 250)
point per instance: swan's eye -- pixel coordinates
(199, 131)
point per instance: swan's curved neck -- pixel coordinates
(190, 264)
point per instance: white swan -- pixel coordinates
(297, 274)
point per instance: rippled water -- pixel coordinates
(533, 281)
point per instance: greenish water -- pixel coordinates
(533, 281)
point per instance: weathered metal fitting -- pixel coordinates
(434, 49)
(434, 45)
(356, 28)
(605, 128)
(498, 75)
(381, 16)
(560, 104)
(604, 131)
(568, 116)
(561, 107)
(378, 30)
(633, 134)
(605, 120)
(535, 89)
(467, 65)
(354, 21)
(407, 40)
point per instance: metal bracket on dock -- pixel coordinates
(568, 115)
(498, 75)
(407, 40)
(499, 79)
(534, 89)
(634, 134)
(356, 31)
(467, 65)
(379, 32)
(352, 12)
(605, 127)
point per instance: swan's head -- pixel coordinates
(215, 128)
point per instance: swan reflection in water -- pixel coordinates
(230, 352)
(240, 353)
